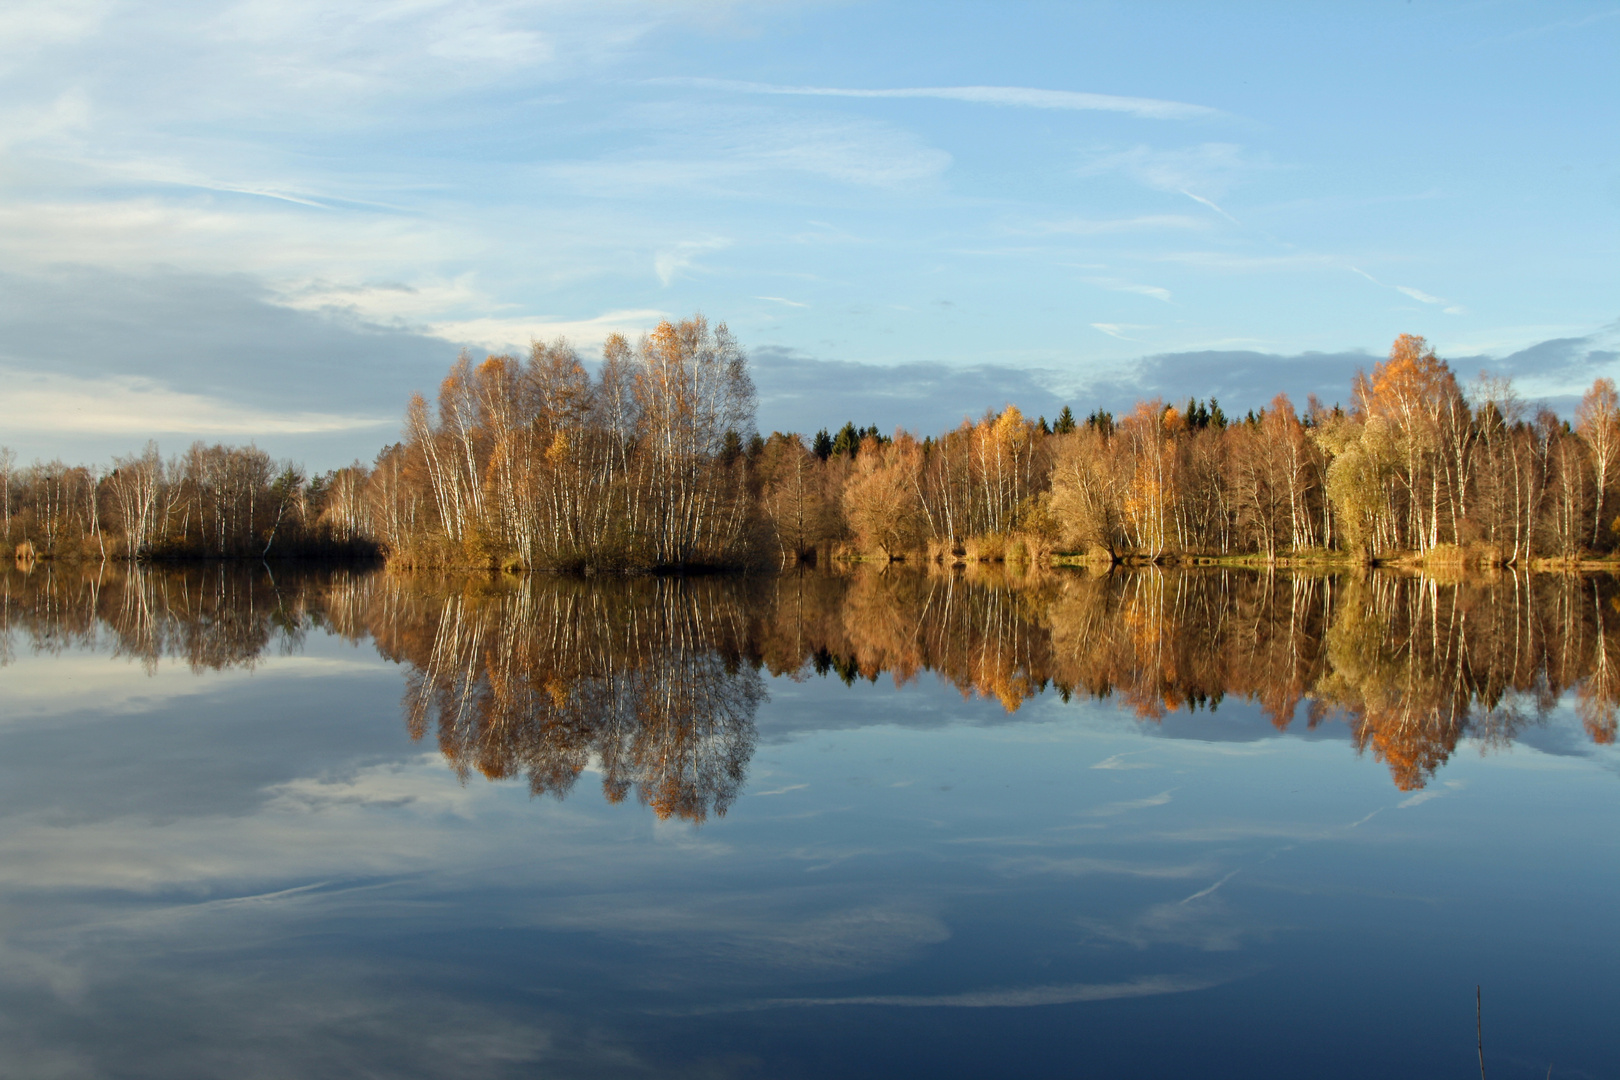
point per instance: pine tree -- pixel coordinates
(848, 440)
(822, 446)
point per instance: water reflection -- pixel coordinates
(211, 618)
(646, 678)
(655, 682)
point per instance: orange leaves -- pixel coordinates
(1412, 383)
(557, 452)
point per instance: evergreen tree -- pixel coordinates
(848, 440)
(822, 445)
(731, 448)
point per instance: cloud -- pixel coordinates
(1009, 998)
(140, 407)
(394, 303)
(671, 261)
(1082, 865)
(1015, 96)
(498, 335)
(284, 237)
(346, 55)
(803, 393)
(1209, 168)
(1241, 379)
(1422, 797)
(53, 690)
(1211, 204)
(1224, 262)
(1118, 762)
(466, 34)
(752, 151)
(1201, 893)
(752, 936)
(1105, 227)
(1416, 294)
(1567, 364)
(798, 392)
(1555, 371)
(1114, 809)
(1116, 285)
(100, 360)
(1208, 926)
(1419, 295)
(28, 24)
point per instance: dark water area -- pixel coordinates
(262, 823)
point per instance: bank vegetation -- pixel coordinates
(652, 461)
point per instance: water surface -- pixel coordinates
(254, 824)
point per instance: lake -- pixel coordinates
(265, 823)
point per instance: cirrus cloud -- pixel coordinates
(1026, 97)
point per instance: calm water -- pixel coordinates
(259, 825)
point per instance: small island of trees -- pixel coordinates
(653, 463)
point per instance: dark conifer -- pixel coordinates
(822, 445)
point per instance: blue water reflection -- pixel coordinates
(238, 861)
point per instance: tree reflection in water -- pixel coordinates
(655, 682)
(649, 678)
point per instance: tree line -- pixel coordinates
(653, 462)
(211, 502)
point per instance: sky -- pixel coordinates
(273, 221)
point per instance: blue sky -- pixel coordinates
(274, 220)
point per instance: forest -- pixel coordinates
(652, 462)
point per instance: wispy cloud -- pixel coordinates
(1201, 893)
(26, 24)
(1209, 168)
(1575, 23)
(1431, 793)
(783, 300)
(129, 405)
(1249, 264)
(1114, 809)
(1118, 760)
(1011, 998)
(1082, 865)
(387, 302)
(1211, 204)
(1140, 223)
(672, 260)
(505, 333)
(1416, 294)
(747, 150)
(1116, 285)
(1016, 96)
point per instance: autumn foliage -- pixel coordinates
(649, 459)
